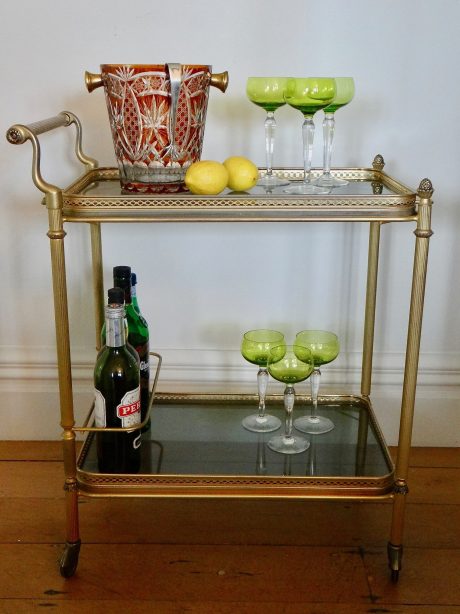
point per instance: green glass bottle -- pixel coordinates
(134, 292)
(138, 334)
(117, 399)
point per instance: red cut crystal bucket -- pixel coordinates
(157, 115)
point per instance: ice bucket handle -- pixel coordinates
(220, 80)
(94, 80)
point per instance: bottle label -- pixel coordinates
(143, 351)
(129, 409)
(99, 409)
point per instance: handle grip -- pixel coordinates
(18, 134)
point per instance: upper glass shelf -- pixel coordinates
(370, 195)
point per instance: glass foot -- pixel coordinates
(306, 188)
(271, 181)
(314, 425)
(288, 445)
(258, 424)
(329, 181)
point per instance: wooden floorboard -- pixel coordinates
(218, 556)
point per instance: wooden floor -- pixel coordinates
(170, 556)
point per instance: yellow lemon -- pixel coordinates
(242, 173)
(206, 177)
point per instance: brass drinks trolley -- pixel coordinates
(213, 456)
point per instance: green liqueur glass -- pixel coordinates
(324, 347)
(255, 348)
(345, 91)
(295, 366)
(268, 93)
(308, 95)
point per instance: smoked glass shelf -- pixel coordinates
(198, 447)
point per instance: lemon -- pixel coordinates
(242, 173)
(206, 177)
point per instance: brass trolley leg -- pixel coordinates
(69, 560)
(423, 233)
(371, 293)
(98, 286)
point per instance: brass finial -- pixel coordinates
(425, 189)
(219, 80)
(378, 162)
(92, 80)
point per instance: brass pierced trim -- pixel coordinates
(226, 203)
(100, 482)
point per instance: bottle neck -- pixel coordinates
(125, 285)
(115, 326)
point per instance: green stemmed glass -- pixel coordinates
(324, 347)
(345, 90)
(255, 348)
(308, 95)
(295, 366)
(267, 92)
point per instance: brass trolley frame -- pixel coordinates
(398, 204)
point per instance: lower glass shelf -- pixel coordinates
(197, 447)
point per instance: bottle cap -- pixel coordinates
(116, 296)
(122, 272)
(133, 279)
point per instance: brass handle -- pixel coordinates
(92, 80)
(19, 134)
(220, 80)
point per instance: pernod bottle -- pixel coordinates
(117, 399)
(138, 333)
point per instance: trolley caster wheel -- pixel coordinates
(394, 561)
(69, 559)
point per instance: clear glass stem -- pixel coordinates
(315, 378)
(270, 129)
(328, 137)
(261, 466)
(262, 383)
(289, 399)
(308, 135)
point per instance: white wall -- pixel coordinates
(403, 56)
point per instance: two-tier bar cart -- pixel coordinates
(216, 457)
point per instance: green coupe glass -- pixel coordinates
(324, 347)
(308, 95)
(295, 366)
(255, 348)
(345, 90)
(268, 93)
